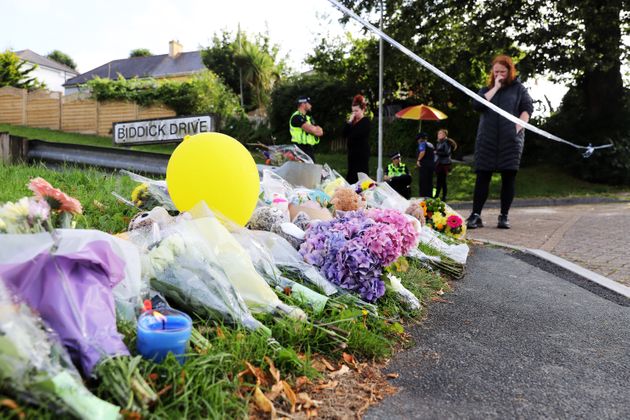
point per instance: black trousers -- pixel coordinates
(426, 181)
(308, 149)
(482, 186)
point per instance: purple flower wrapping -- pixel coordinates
(73, 294)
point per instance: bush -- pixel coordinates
(203, 94)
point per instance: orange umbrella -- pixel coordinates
(421, 112)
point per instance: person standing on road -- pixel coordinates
(443, 150)
(356, 132)
(425, 164)
(302, 127)
(499, 143)
(398, 176)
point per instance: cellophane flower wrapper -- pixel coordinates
(181, 266)
(381, 195)
(453, 249)
(408, 299)
(235, 261)
(157, 190)
(264, 265)
(35, 367)
(285, 256)
(69, 283)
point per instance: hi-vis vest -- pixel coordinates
(396, 170)
(300, 136)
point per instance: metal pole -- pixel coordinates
(379, 170)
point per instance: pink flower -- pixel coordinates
(57, 199)
(454, 221)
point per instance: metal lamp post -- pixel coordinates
(379, 170)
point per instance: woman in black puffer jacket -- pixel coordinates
(499, 143)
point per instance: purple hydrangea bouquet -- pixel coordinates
(352, 249)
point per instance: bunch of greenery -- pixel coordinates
(16, 72)
(203, 94)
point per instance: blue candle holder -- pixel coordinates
(163, 332)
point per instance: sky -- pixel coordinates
(95, 32)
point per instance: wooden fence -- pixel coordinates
(73, 113)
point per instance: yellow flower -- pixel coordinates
(438, 219)
(139, 192)
(364, 312)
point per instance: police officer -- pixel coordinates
(398, 176)
(302, 127)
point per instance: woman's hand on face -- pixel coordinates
(498, 81)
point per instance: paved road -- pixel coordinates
(594, 236)
(517, 342)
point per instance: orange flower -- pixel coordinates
(57, 199)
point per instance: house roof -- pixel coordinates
(152, 66)
(33, 57)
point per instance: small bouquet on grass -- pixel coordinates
(48, 209)
(276, 155)
(442, 218)
(68, 280)
(36, 368)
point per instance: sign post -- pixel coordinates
(161, 130)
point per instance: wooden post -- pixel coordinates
(13, 149)
(24, 102)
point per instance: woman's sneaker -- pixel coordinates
(474, 221)
(503, 222)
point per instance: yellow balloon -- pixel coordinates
(217, 169)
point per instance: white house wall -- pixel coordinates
(53, 78)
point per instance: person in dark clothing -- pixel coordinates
(425, 164)
(302, 127)
(499, 143)
(357, 133)
(398, 176)
(443, 150)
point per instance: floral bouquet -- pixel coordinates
(352, 249)
(35, 366)
(442, 218)
(47, 209)
(277, 155)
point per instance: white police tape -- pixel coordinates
(588, 149)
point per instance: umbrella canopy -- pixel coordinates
(421, 112)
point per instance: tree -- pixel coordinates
(584, 42)
(140, 52)
(255, 64)
(62, 58)
(16, 73)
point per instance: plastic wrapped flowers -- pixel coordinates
(352, 249)
(443, 219)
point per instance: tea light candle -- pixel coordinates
(161, 333)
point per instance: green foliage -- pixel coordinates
(202, 94)
(62, 58)
(140, 52)
(331, 99)
(16, 72)
(254, 63)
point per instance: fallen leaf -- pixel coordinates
(220, 333)
(392, 375)
(306, 401)
(301, 381)
(439, 299)
(290, 395)
(13, 406)
(272, 369)
(440, 292)
(328, 385)
(342, 371)
(349, 359)
(98, 205)
(255, 372)
(276, 390)
(328, 365)
(263, 403)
